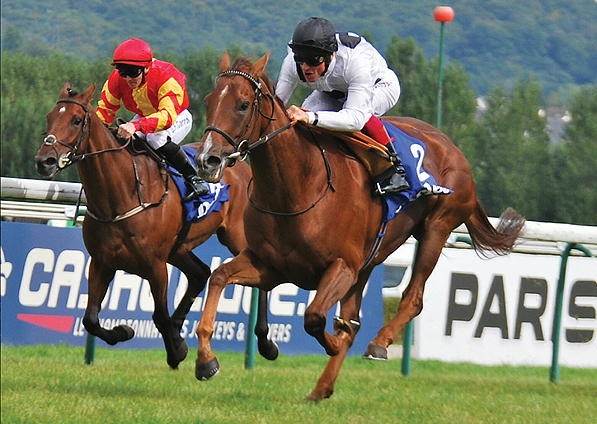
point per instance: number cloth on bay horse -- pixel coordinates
(199, 207)
(137, 221)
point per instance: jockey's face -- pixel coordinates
(133, 75)
(134, 82)
(312, 73)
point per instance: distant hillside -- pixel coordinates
(497, 41)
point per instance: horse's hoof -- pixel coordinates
(312, 400)
(376, 352)
(268, 349)
(204, 372)
(121, 333)
(181, 354)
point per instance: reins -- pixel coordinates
(243, 147)
(246, 149)
(71, 157)
(329, 186)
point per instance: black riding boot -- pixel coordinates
(177, 158)
(393, 180)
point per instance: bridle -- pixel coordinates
(241, 145)
(71, 157)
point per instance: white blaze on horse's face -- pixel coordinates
(62, 109)
(221, 97)
(208, 143)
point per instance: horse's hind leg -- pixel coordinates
(197, 273)
(176, 346)
(428, 251)
(99, 280)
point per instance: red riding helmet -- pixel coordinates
(133, 52)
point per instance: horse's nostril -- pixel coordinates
(213, 162)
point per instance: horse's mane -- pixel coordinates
(243, 63)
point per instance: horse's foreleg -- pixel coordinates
(345, 330)
(428, 251)
(99, 280)
(240, 270)
(197, 274)
(267, 348)
(337, 280)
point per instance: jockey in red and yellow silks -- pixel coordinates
(159, 101)
(155, 92)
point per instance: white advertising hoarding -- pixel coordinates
(500, 310)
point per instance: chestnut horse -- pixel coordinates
(313, 217)
(134, 219)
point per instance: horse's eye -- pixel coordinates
(77, 121)
(244, 106)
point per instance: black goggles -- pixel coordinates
(129, 71)
(309, 60)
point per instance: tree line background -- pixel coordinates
(494, 40)
(519, 56)
(513, 159)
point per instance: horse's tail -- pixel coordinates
(485, 237)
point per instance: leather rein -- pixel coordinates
(242, 146)
(71, 157)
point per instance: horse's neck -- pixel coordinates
(288, 167)
(108, 178)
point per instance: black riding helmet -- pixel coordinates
(314, 36)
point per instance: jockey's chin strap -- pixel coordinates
(241, 145)
(70, 157)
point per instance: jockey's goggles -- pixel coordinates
(312, 61)
(130, 71)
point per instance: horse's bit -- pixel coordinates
(241, 145)
(70, 157)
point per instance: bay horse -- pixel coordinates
(134, 219)
(313, 217)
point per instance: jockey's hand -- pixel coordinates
(295, 113)
(127, 130)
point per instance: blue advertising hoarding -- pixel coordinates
(44, 295)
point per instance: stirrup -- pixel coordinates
(392, 186)
(197, 187)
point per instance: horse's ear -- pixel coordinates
(88, 94)
(225, 62)
(66, 88)
(259, 66)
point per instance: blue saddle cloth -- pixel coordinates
(199, 208)
(411, 151)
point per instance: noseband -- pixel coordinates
(241, 145)
(70, 157)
